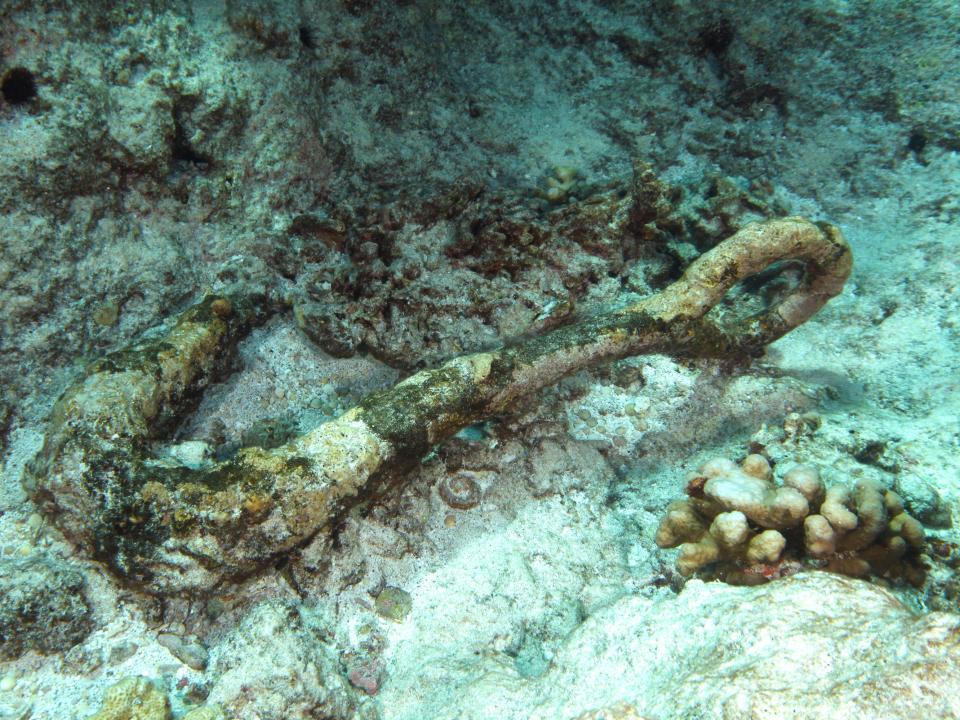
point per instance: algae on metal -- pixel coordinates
(175, 529)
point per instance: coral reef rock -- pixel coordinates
(775, 652)
(276, 664)
(738, 525)
(814, 646)
(623, 711)
(42, 607)
(134, 698)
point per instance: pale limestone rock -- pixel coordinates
(814, 646)
(276, 665)
(620, 711)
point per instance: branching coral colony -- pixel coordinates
(737, 524)
(172, 528)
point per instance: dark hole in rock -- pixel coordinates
(19, 86)
(183, 152)
(716, 38)
(917, 142)
(308, 37)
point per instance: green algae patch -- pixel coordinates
(393, 603)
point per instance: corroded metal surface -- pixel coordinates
(171, 528)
